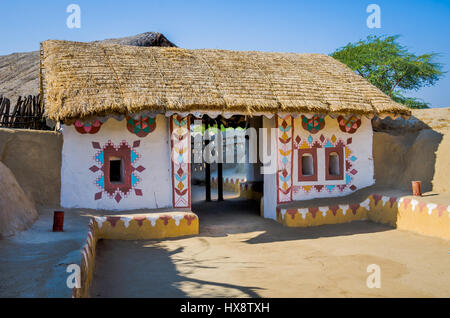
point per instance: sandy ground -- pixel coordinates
(33, 263)
(239, 254)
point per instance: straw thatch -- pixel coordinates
(19, 72)
(80, 80)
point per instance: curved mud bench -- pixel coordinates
(405, 213)
(130, 227)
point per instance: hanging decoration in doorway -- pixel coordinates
(87, 128)
(181, 150)
(349, 125)
(313, 125)
(129, 179)
(284, 162)
(142, 126)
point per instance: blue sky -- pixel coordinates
(318, 26)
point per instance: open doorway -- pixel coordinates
(221, 170)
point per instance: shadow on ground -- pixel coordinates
(235, 215)
(113, 277)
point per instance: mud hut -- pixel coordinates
(125, 110)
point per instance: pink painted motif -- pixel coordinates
(165, 218)
(354, 208)
(292, 213)
(189, 218)
(113, 220)
(87, 128)
(377, 198)
(392, 201)
(313, 211)
(139, 219)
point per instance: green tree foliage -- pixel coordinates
(390, 67)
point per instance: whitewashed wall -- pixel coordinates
(361, 149)
(270, 179)
(78, 186)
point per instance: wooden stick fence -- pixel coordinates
(27, 113)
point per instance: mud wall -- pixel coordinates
(130, 227)
(34, 157)
(417, 149)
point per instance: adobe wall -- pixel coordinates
(417, 149)
(34, 157)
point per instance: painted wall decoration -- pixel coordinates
(314, 124)
(128, 156)
(79, 183)
(285, 130)
(181, 173)
(142, 126)
(405, 213)
(326, 182)
(87, 128)
(349, 125)
(330, 149)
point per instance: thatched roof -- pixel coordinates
(81, 80)
(19, 72)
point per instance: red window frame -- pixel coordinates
(301, 152)
(125, 156)
(340, 153)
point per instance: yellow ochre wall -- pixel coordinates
(405, 213)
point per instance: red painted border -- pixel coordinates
(188, 163)
(189, 156)
(301, 177)
(278, 161)
(291, 155)
(124, 153)
(340, 152)
(171, 160)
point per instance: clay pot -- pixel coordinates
(417, 188)
(58, 221)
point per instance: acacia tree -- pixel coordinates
(390, 67)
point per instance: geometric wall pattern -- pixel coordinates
(87, 128)
(328, 142)
(180, 155)
(142, 126)
(285, 130)
(130, 179)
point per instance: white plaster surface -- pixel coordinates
(270, 180)
(78, 182)
(361, 147)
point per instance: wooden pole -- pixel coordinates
(207, 166)
(219, 163)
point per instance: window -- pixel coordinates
(307, 164)
(334, 159)
(115, 170)
(333, 167)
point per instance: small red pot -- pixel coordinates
(58, 221)
(417, 188)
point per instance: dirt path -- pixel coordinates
(239, 254)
